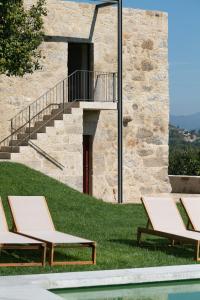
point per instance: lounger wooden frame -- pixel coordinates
(41, 247)
(172, 237)
(51, 246)
(25, 246)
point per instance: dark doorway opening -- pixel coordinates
(80, 67)
(87, 164)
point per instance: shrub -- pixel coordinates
(21, 33)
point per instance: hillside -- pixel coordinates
(113, 227)
(178, 136)
(188, 122)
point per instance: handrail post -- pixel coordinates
(114, 87)
(63, 95)
(11, 131)
(29, 120)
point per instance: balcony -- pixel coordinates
(93, 90)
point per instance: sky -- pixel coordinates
(184, 50)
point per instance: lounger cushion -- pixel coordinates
(165, 217)
(184, 234)
(164, 214)
(56, 237)
(13, 238)
(192, 206)
(3, 222)
(31, 213)
(32, 218)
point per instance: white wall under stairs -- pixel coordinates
(63, 142)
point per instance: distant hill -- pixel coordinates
(188, 122)
(182, 137)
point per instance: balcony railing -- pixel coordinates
(92, 86)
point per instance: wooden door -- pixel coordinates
(87, 164)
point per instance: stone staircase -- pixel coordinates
(31, 132)
(57, 101)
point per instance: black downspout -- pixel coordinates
(120, 105)
(119, 92)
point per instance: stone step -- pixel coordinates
(67, 111)
(67, 105)
(47, 117)
(24, 136)
(18, 143)
(36, 129)
(57, 110)
(5, 155)
(44, 124)
(40, 127)
(10, 149)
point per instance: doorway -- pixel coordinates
(80, 59)
(87, 164)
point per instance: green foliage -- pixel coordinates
(184, 160)
(21, 33)
(184, 157)
(175, 137)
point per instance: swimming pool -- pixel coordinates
(154, 283)
(182, 290)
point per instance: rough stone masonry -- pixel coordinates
(145, 96)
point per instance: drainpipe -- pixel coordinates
(120, 92)
(120, 105)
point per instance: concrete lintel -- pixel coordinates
(87, 105)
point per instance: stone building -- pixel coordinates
(73, 125)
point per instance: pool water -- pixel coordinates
(189, 290)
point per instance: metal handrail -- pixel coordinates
(30, 134)
(81, 85)
(46, 155)
(45, 123)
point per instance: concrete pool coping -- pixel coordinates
(40, 283)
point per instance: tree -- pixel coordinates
(184, 160)
(21, 33)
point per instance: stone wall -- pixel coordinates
(185, 184)
(103, 127)
(63, 142)
(145, 88)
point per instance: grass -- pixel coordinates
(112, 226)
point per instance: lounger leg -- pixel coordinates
(24, 247)
(51, 255)
(44, 255)
(188, 224)
(94, 253)
(172, 243)
(197, 251)
(92, 261)
(139, 236)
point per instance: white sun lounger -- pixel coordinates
(32, 218)
(192, 209)
(164, 220)
(10, 240)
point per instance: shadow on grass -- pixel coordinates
(160, 245)
(27, 256)
(20, 256)
(123, 242)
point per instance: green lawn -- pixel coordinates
(113, 227)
